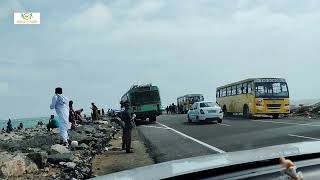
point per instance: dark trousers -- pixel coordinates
(126, 139)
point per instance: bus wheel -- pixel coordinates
(153, 119)
(275, 116)
(246, 112)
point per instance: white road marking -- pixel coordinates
(224, 124)
(196, 140)
(154, 127)
(306, 137)
(279, 122)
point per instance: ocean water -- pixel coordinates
(27, 122)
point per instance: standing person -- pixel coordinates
(102, 112)
(9, 126)
(72, 116)
(59, 103)
(167, 109)
(126, 129)
(94, 112)
(53, 123)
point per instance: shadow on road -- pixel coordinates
(198, 123)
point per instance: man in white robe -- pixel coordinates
(60, 104)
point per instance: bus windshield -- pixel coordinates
(145, 97)
(272, 89)
(195, 99)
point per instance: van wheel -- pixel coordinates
(219, 120)
(275, 116)
(246, 112)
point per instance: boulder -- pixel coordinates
(99, 135)
(81, 137)
(56, 158)
(40, 158)
(87, 129)
(59, 149)
(83, 146)
(15, 165)
(70, 165)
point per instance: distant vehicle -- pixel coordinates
(144, 101)
(185, 102)
(256, 96)
(205, 111)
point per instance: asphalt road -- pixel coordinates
(172, 137)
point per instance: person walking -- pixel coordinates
(126, 128)
(60, 104)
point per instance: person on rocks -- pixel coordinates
(3, 130)
(78, 114)
(126, 128)
(9, 126)
(53, 123)
(102, 112)
(59, 103)
(72, 115)
(20, 126)
(94, 112)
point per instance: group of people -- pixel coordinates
(171, 109)
(10, 128)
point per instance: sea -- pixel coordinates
(27, 122)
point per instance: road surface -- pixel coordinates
(172, 137)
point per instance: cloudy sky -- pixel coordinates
(96, 50)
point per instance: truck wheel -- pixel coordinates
(189, 120)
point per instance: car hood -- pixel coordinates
(196, 164)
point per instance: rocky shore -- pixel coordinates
(36, 153)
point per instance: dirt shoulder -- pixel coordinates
(116, 160)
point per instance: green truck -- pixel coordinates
(144, 101)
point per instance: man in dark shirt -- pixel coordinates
(127, 128)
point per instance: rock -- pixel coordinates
(40, 158)
(83, 146)
(99, 135)
(56, 158)
(101, 122)
(46, 169)
(59, 149)
(81, 137)
(74, 144)
(70, 165)
(62, 163)
(15, 165)
(87, 129)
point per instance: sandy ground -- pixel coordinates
(116, 160)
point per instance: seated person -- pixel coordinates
(78, 114)
(53, 123)
(20, 126)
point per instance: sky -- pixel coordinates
(95, 50)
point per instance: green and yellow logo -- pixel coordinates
(26, 16)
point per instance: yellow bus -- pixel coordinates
(255, 96)
(185, 102)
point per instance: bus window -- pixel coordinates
(249, 88)
(239, 89)
(229, 91)
(218, 94)
(224, 92)
(234, 90)
(244, 88)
